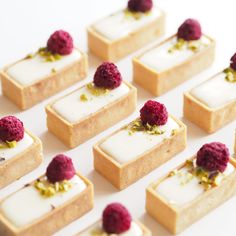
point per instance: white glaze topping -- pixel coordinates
(215, 92)
(27, 204)
(160, 59)
(134, 230)
(177, 191)
(30, 71)
(120, 24)
(22, 145)
(124, 147)
(73, 109)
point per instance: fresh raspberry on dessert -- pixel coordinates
(233, 62)
(60, 42)
(11, 129)
(116, 219)
(213, 157)
(107, 76)
(154, 113)
(140, 5)
(60, 168)
(190, 30)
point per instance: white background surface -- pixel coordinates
(25, 26)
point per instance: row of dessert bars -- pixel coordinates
(62, 195)
(161, 68)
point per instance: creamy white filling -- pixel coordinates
(124, 147)
(134, 230)
(22, 145)
(26, 205)
(160, 59)
(73, 109)
(215, 92)
(120, 24)
(29, 71)
(177, 191)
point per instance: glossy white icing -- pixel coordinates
(175, 192)
(120, 24)
(215, 92)
(73, 109)
(134, 230)
(160, 59)
(30, 71)
(21, 146)
(124, 147)
(26, 205)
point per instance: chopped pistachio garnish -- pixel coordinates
(47, 189)
(11, 144)
(230, 75)
(177, 46)
(173, 172)
(137, 125)
(29, 56)
(206, 179)
(8, 144)
(135, 15)
(96, 91)
(83, 97)
(53, 70)
(181, 44)
(48, 56)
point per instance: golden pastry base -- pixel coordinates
(209, 119)
(27, 96)
(158, 83)
(22, 163)
(117, 49)
(123, 175)
(73, 134)
(54, 220)
(176, 218)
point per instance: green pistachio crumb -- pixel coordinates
(83, 97)
(11, 144)
(137, 125)
(230, 75)
(47, 189)
(97, 91)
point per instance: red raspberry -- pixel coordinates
(116, 219)
(107, 76)
(60, 168)
(11, 129)
(190, 30)
(154, 113)
(233, 62)
(213, 157)
(60, 42)
(140, 5)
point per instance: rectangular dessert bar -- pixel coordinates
(73, 134)
(114, 50)
(121, 175)
(26, 96)
(177, 218)
(159, 82)
(217, 107)
(22, 163)
(54, 220)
